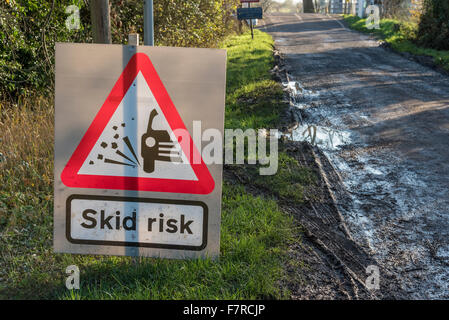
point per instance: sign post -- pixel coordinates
(131, 177)
(101, 22)
(148, 21)
(251, 23)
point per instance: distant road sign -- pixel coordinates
(249, 13)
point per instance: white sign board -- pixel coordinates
(130, 178)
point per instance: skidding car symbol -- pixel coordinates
(156, 145)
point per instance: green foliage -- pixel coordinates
(433, 29)
(200, 23)
(28, 32)
(408, 30)
(30, 28)
(402, 37)
(187, 23)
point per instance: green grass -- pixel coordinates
(292, 181)
(253, 98)
(255, 233)
(399, 35)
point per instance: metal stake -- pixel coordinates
(148, 23)
(251, 23)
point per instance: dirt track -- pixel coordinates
(392, 117)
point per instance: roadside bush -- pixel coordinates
(433, 31)
(30, 28)
(408, 30)
(401, 36)
(187, 23)
(28, 31)
(416, 10)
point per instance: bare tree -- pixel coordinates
(267, 5)
(101, 23)
(393, 8)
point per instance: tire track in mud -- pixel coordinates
(339, 263)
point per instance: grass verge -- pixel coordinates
(398, 35)
(254, 232)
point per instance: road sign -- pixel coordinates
(129, 175)
(249, 13)
(123, 136)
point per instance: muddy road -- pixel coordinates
(383, 122)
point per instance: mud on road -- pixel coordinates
(382, 124)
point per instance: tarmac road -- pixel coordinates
(394, 161)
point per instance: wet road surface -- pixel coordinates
(390, 117)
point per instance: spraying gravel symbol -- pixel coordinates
(155, 145)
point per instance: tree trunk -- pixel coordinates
(101, 23)
(308, 6)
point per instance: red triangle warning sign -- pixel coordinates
(138, 141)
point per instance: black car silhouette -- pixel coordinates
(152, 142)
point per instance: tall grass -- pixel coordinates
(26, 170)
(26, 153)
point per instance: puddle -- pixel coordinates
(313, 130)
(394, 205)
(280, 40)
(323, 137)
(298, 92)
